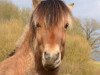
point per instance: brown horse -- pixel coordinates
(42, 46)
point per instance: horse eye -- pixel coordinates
(38, 25)
(66, 26)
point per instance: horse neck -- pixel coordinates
(27, 43)
(38, 65)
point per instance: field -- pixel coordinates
(10, 31)
(97, 68)
(77, 59)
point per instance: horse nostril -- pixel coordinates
(56, 57)
(46, 56)
(52, 57)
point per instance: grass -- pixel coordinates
(97, 67)
(97, 63)
(77, 61)
(9, 33)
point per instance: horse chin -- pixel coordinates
(50, 68)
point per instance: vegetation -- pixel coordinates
(8, 10)
(77, 55)
(9, 33)
(91, 30)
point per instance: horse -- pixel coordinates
(41, 47)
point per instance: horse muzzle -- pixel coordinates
(51, 61)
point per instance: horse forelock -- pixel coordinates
(51, 12)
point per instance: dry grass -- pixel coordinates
(9, 33)
(97, 67)
(77, 61)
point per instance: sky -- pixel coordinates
(82, 9)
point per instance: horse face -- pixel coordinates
(51, 18)
(51, 43)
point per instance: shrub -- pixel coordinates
(77, 61)
(8, 10)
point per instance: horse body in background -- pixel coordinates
(42, 48)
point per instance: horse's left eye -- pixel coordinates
(38, 25)
(66, 26)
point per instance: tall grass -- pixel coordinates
(12, 22)
(8, 10)
(77, 57)
(9, 33)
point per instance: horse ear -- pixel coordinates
(35, 2)
(71, 6)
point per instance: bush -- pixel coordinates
(77, 61)
(8, 10)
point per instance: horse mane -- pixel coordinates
(22, 38)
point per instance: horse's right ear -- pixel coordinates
(71, 6)
(35, 2)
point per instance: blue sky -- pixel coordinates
(82, 8)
